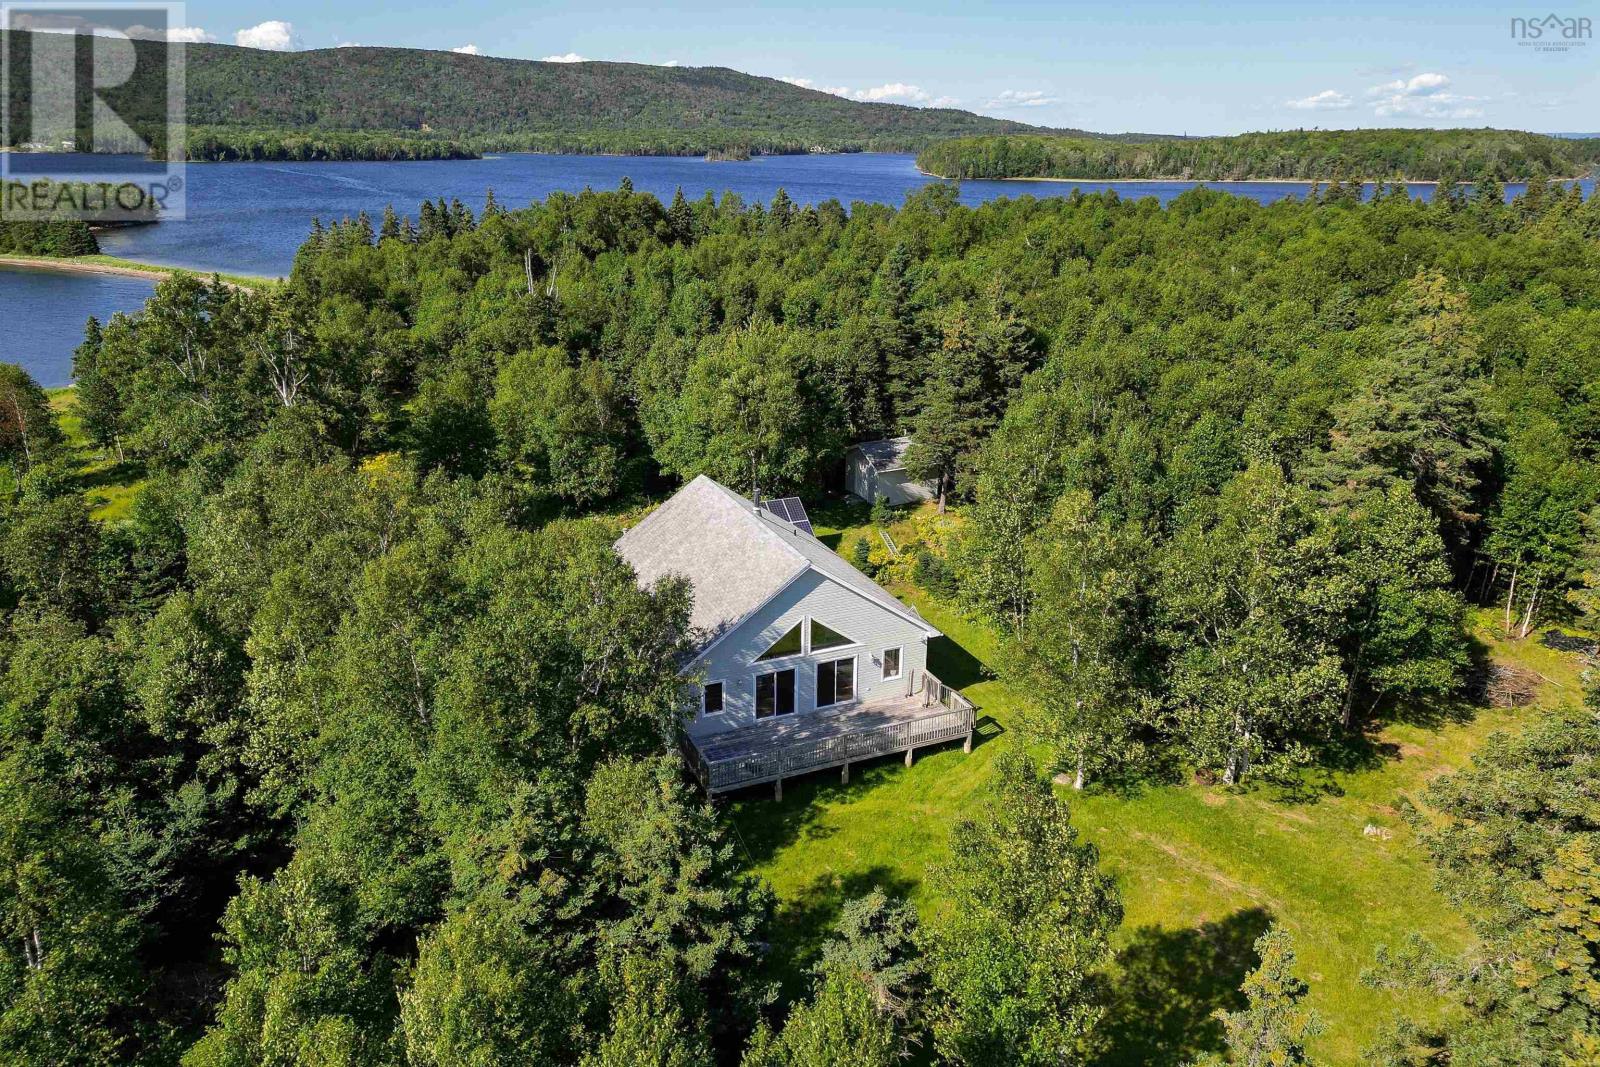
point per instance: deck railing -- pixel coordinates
(950, 717)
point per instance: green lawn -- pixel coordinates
(1202, 869)
(109, 485)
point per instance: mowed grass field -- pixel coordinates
(1202, 868)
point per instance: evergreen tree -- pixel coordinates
(1275, 1027)
(782, 211)
(954, 412)
(894, 327)
(390, 229)
(428, 226)
(1420, 415)
(1515, 842)
(680, 218)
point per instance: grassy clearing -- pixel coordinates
(109, 484)
(1202, 869)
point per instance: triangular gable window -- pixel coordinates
(787, 645)
(825, 637)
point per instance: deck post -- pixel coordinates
(777, 790)
(967, 748)
(844, 773)
(908, 756)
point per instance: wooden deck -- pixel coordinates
(790, 745)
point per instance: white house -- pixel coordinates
(800, 661)
(877, 469)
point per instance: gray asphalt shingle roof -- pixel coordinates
(736, 556)
(886, 455)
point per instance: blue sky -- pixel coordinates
(1147, 65)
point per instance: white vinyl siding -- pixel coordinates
(872, 626)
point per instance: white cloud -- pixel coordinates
(1014, 98)
(672, 63)
(190, 35)
(913, 94)
(274, 35)
(1327, 100)
(63, 23)
(1423, 96)
(889, 92)
(807, 83)
(570, 57)
(468, 50)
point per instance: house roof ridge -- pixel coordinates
(761, 517)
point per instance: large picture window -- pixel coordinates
(836, 681)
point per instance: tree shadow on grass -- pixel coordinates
(1456, 708)
(110, 475)
(840, 513)
(766, 826)
(1168, 983)
(804, 922)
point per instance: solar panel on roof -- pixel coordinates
(790, 510)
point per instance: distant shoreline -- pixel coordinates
(1234, 181)
(124, 268)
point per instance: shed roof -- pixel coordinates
(886, 455)
(737, 557)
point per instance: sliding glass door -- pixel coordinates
(775, 693)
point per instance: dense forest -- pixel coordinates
(506, 104)
(222, 144)
(1417, 155)
(352, 744)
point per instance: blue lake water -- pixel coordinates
(42, 313)
(249, 218)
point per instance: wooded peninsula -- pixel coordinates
(1312, 155)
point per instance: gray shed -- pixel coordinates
(876, 469)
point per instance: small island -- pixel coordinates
(739, 154)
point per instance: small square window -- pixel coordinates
(891, 664)
(713, 698)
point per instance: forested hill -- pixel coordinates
(1422, 155)
(512, 103)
